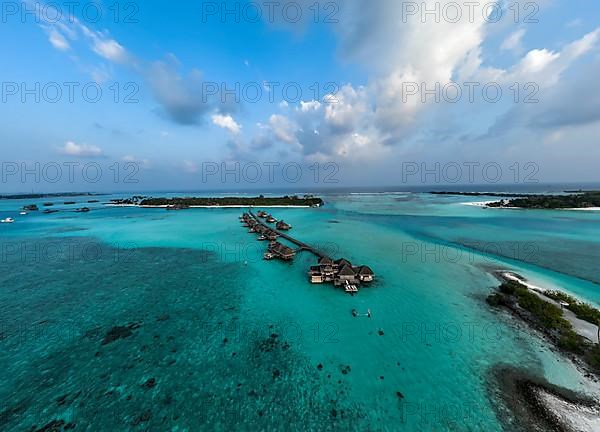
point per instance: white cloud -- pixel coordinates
(110, 49)
(80, 150)
(283, 128)
(514, 41)
(310, 105)
(227, 122)
(141, 163)
(57, 40)
(344, 109)
(545, 67)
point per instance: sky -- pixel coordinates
(124, 96)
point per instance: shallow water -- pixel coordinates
(215, 338)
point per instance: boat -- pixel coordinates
(262, 237)
(23, 213)
(268, 256)
(7, 220)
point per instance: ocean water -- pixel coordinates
(143, 319)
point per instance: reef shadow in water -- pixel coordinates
(152, 339)
(522, 403)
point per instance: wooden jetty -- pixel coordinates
(289, 238)
(339, 272)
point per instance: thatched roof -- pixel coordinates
(342, 262)
(346, 271)
(365, 271)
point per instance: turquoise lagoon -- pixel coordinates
(211, 337)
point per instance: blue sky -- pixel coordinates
(358, 107)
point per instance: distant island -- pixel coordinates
(190, 202)
(583, 200)
(477, 194)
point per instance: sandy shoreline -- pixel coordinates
(484, 204)
(564, 413)
(581, 327)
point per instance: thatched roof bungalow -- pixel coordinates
(282, 251)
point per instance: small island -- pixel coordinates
(227, 202)
(585, 200)
(544, 311)
(479, 194)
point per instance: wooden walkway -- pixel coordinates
(303, 246)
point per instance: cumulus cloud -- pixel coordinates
(365, 121)
(543, 66)
(283, 128)
(227, 122)
(80, 150)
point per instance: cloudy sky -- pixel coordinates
(362, 95)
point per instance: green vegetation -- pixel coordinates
(484, 194)
(583, 310)
(592, 357)
(548, 316)
(579, 200)
(260, 201)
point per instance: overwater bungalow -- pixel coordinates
(316, 276)
(260, 229)
(281, 251)
(281, 225)
(340, 272)
(271, 235)
(364, 273)
(261, 214)
(346, 273)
